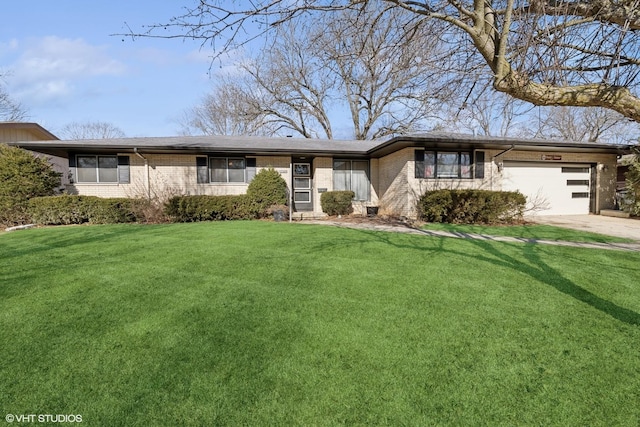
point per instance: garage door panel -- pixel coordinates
(551, 189)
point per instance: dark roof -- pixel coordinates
(438, 140)
(207, 144)
(310, 147)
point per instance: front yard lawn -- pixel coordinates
(257, 323)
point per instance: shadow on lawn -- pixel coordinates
(58, 238)
(535, 268)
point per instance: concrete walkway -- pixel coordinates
(628, 228)
(406, 228)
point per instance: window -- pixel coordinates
(570, 169)
(225, 169)
(100, 169)
(352, 175)
(443, 164)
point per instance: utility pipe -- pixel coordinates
(493, 160)
(291, 189)
(146, 165)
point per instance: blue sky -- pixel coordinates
(64, 66)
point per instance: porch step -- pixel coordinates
(308, 215)
(614, 213)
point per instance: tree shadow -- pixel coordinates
(534, 267)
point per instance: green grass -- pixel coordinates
(255, 323)
(530, 231)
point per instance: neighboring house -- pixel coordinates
(623, 168)
(11, 132)
(561, 177)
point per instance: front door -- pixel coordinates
(302, 184)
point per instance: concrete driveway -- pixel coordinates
(611, 226)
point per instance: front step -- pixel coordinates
(298, 216)
(614, 213)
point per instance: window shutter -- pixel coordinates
(124, 170)
(251, 168)
(202, 170)
(419, 158)
(72, 168)
(479, 165)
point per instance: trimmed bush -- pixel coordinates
(68, 209)
(471, 206)
(210, 208)
(337, 202)
(22, 177)
(267, 189)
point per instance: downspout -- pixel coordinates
(146, 166)
(291, 189)
(493, 160)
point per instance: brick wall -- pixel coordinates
(322, 178)
(399, 190)
(394, 187)
(170, 175)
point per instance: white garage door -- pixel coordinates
(555, 189)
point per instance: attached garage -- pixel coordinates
(552, 188)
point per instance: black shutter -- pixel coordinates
(479, 165)
(419, 157)
(251, 168)
(72, 168)
(124, 170)
(202, 170)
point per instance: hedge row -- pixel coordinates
(68, 209)
(472, 206)
(211, 208)
(337, 202)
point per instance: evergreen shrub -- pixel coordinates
(471, 206)
(337, 202)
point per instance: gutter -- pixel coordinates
(146, 166)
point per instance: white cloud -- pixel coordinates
(8, 47)
(200, 56)
(48, 68)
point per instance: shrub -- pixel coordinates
(267, 189)
(22, 177)
(471, 206)
(67, 209)
(149, 211)
(210, 208)
(337, 202)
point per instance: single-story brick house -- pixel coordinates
(561, 177)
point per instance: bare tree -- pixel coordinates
(91, 130)
(229, 109)
(382, 57)
(360, 64)
(586, 124)
(10, 109)
(292, 86)
(552, 53)
(489, 114)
